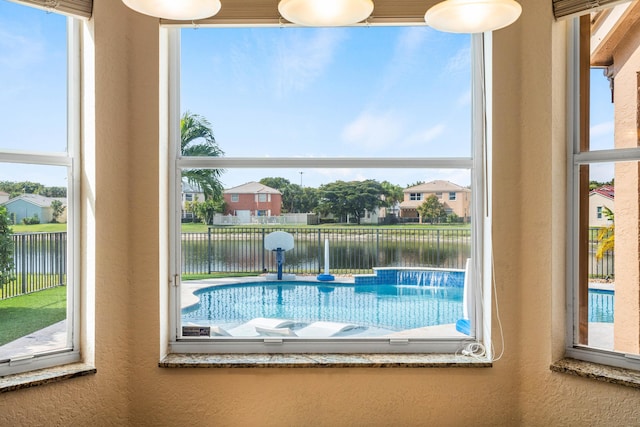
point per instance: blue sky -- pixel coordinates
(298, 92)
(33, 89)
(333, 92)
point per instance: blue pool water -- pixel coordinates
(385, 306)
(601, 306)
(390, 306)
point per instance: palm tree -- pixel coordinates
(196, 139)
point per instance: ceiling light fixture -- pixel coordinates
(472, 16)
(183, 10)
(325, 13)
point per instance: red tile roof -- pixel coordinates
(605, 190)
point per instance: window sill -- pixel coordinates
(608, 374)
(44, 376)
(322, 361)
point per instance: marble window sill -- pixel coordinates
(605, 373)
(322, 361)
(44, 376)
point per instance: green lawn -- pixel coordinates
(38, 228)
(25, 314)
(217, 275)
(202, 228)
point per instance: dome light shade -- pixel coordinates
(472, 16)
(325, 13)
(183, 10)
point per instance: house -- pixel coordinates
(252, 200)
(190, 193)
(125, 260)
(455, 198)
(599, 199)
(33, 206)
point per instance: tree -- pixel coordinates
(55, 192)
(350, 198)
(597, 184)
(294, 197)
(309, 199)
(285, 187)
(27, 187)
(606, 235)
(58, 208)
(276, 182)
(393, 194)
(196, 139)
(6, 248)
(205, 210)
(432, 210)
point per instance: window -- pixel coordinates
(321, 118)
(188, 197)
(39, 183)
(235, 198)
(603, 285)
(439, 195)
(452, 195)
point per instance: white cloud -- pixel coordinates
(464, 99)
(460, 62)
(426, 135)
(302, 60)
(18, 52)
(410, 40)
(374, 131)
(601, 129)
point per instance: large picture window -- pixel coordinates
(39, 128)
(604, 275)
(308, 145)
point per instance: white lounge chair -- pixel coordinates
(319, 329)
(248, 329)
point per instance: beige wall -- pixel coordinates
(129, 388)
(595, 201)
(626, 63)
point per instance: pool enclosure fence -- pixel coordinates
(40, 259)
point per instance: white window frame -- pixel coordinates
(71, 160)
(479, 165)
(576, 158)
(235, 198)
(453, 195)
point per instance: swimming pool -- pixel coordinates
(391, 307)
(601, 304)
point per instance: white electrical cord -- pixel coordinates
(476, 349)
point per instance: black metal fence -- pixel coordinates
(351, 250)
(40, 262)
(40, 259)
(602, 268)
